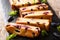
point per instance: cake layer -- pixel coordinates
(19, 3)
(47, 14)
(23, 30)
(42, 23)
(42, 6)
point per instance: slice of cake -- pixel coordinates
(42, 6)
(19, 3)
(42, 23)
(47, 14)
(23, 30)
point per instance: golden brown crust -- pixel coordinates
(42, 6)
(20, 3)
(46, 14)
(35, 22)
(23, 30)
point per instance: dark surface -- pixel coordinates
(51, 35)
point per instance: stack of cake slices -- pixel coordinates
(34, 17)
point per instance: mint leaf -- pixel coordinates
(58, 28)
(11, 36)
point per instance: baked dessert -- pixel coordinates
(46, 14)
(19, 3)
(23, 30)
(42, 6)
(42, 23)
